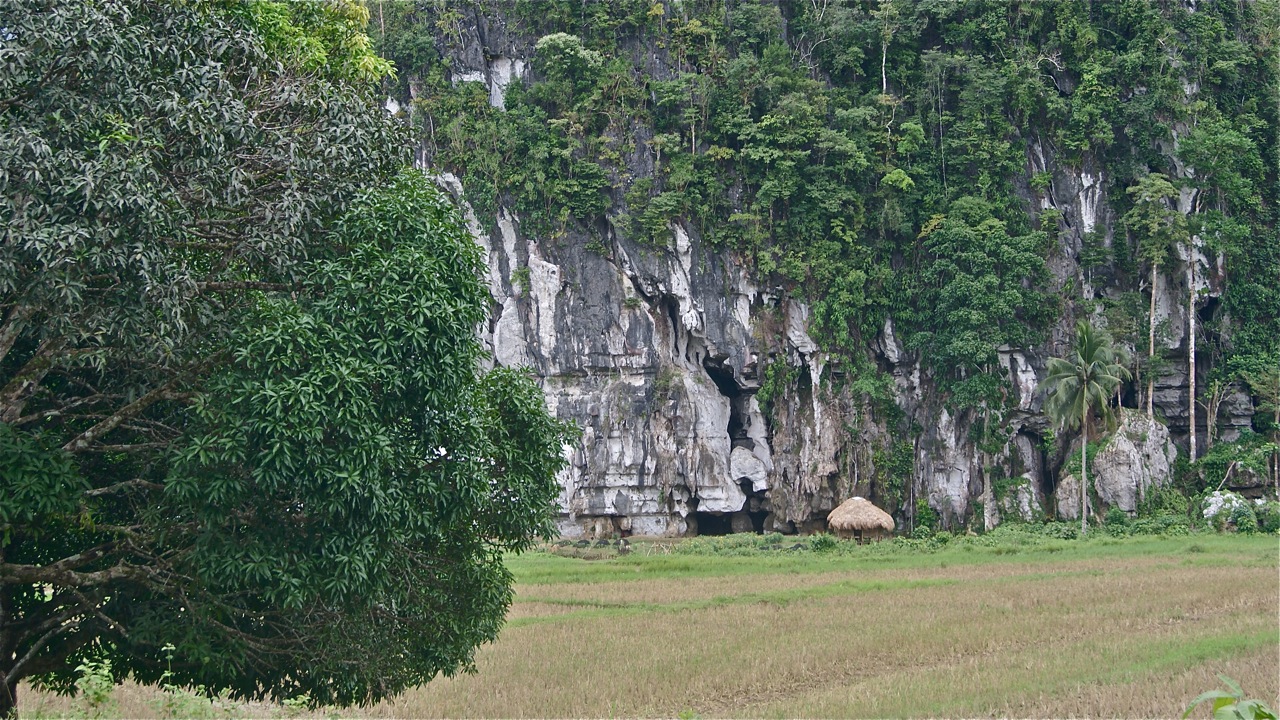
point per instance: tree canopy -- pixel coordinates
(241, 407)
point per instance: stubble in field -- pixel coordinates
(1130, 628)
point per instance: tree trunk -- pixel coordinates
(884, 77)
(1151, 347)
(8, 700)
(1191, 347)
(1216, 392)
(1084, 469)
(8, 692)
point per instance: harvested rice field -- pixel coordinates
(1022, 627)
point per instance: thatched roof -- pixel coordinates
(859, 514)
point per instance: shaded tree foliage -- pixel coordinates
(240, 410)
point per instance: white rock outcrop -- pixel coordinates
(1139, 457)
(1136, 458)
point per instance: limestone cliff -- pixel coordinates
(659, 352)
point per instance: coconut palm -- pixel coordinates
(1080, 383)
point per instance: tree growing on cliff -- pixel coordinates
(1265, 383)
(1079, 384)
(240, 411)
(1159, 228)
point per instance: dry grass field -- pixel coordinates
(1109, 627)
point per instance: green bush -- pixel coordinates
(822, 543)
(737, 544)
(1117, 521)
(1060, 531)
(1162, 524)
(926, 517)
(1232, 704)
(1268, 515)
(1165, 500)
(1244, 518)
(95, 686)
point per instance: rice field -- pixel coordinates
(1114, 627)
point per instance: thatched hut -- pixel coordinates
(858, 519)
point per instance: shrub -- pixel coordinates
(1165, 500)
(822, 543)
(1232, 704)
(1060, 531)
(1219, 506)
(1268, 514)
(561, 56)
(926, 517)
(737, 545)
(1162, 524)
(1117, 521)
(1244, 518)
(96, 685)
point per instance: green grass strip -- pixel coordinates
(615, 608)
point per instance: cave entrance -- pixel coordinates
(713, 523)
(756, 508)
(723, 376)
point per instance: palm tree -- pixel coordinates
(1079, 383)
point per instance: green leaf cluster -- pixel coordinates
(353, 464)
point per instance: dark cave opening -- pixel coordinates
(713, 523)
(722, 376)
(1129, 395)
(1207, 310)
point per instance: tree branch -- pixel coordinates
(126, 485)
(64, 409)
(131, 447)
(12, 328)
(14, 396)
(12, 573)
(246, 285)
(128, 412)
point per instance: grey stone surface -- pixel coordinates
(1139, 458)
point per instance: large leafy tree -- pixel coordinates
(351, 479)
(1079, 384)
(977, 291)
(240, 410)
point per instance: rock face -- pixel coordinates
(1139, 457)
(661, 354)
(1136, 458)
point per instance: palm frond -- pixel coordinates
(1092, 370)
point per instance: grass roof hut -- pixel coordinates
(858, 519)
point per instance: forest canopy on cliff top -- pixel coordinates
(897, 158)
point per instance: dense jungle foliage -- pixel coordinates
(891, 158)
